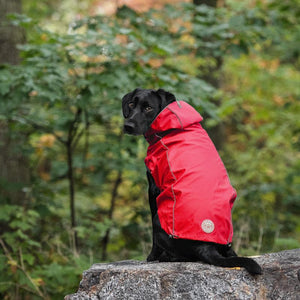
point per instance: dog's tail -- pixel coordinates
(215, 258)
(248, 263)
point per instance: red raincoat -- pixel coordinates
(196, 195)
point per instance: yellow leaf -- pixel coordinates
(33, 93)
(47, 140)
(13, 266)
(236, 268)
(155, 62)
(12, 262)
(45, 176)
(44, 37)
(38, 281)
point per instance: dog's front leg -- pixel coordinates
(153, 192)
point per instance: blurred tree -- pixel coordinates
(211, 71)
(10, 35)
(212, 3)
(14, 171)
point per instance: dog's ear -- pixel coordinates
(166, 97)
(125, 100)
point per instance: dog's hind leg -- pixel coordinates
(230, 252)
(156, 251)
(163, 241)
(209, 254)
(153, 192)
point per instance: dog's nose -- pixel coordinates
(129, 127)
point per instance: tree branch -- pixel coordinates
(45, 129)
(22, 268)
(114, 194)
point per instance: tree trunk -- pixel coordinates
(114, 194)
(10, 35)
(212, 3)
(73, 138)
(210, 75)
(72, 192)
(14, 170)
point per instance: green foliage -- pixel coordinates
(286, 243)
(30, 262)
(66, 97)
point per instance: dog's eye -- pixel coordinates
(148, 108)
(131, 105)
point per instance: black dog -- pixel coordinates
(179, 234)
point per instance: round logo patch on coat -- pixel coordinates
(208, 226)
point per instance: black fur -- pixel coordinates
(140, 107)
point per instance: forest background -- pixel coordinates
(73, 189)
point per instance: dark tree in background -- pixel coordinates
(210, 75)
(212, 3)
(10, 35)
(14, 170)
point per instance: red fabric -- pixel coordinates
(196, 195)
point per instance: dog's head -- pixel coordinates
(140, 108)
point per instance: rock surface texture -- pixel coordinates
(136, 280)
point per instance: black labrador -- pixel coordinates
(140, 108)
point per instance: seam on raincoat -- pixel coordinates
(174, 204)
(167, 152)
(172, 187)
(230, 234)
(178, 103)
(176, 116)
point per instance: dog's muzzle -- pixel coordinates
(129, 127)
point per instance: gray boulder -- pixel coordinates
(138, 280)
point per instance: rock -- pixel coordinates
(138, 280)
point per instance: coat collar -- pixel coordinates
(152, 137)
(176, 116)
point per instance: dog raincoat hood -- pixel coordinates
(196, 196)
